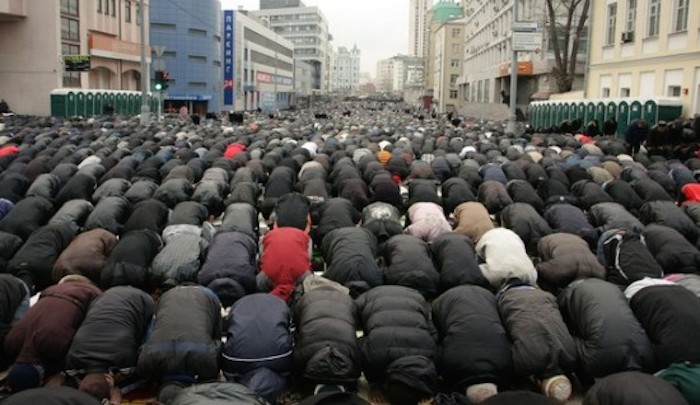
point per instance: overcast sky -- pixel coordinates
(378, 27)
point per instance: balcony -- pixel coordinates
(12, 10)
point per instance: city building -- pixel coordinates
(307, 29)
(270, 4)
(345, 76)
(190, 33)
(488, 55)
(442, 12)
(32, 65)
(264, 70)
(398, 72)
(448, 49)
(303, 76)
(646, 48)
(417, 26)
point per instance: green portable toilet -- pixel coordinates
(58, 103)
(99, 105)
(590, 113)
(532, 117)
(556, 110)
(611, 111)
(636, 110)
(118, 103)
(572, 111)
(80, 104)
(565, 112)
(600, 114)
(130, 104)
(581, 113)
(71, 110)
(623, 118)
(109, 101)
(669, 110)
(545, 115)
(650, 112)
(89, 104)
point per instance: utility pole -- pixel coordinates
(513, 74)
(145, 109)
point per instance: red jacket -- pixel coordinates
(9, 150)
(691, 192)
(234, 149)
(285, 258)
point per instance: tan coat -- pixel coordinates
(473, 220)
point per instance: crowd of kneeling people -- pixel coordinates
(441, 259)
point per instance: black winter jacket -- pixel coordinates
(467, 316)
(112, 333)
(27, 216)
(456, 260)
(407, 263)
(75, 211)
(185, 338)
(109, 214)
(522, 219)
(608, 337)
(149, 214)
(129, 261)
(350, 259)
(521, 191)
(396, 323)
(671, 250)
(455, 191)
(667, 213)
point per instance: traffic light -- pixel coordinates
(162, 78)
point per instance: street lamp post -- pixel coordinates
(513, 74)
(145, 109)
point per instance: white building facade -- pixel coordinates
(417, 26)
(397, 72)
(345, 74)
(307, 29)
(264, 66)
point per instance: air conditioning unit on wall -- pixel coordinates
(627, 37)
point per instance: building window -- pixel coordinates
(654, 11)
(454, 63)
(631, 15)
(456, 32)
(453, 80)
(455, 49)
(99, 6)
(70, 29)
(624, 92)
(70, 7)
(70, 79)
(138, 14)
(453, 94)
(611, 26)
(605, 93)
(127, 11)
(680, 15)
(673, 91)
(114, 8)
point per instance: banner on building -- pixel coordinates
(76, 63)
(228, 58)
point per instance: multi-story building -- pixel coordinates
(346, 70)
(31, 64)
(264, 66)
(417, 26)
(269, 4)
(442, 12)
(646, 48)
(448, 50)
(191, 36)
(399, 71)
(488, 55)
(307, 29)
(303, 74)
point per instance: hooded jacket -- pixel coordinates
(541, 343)
(521, 191)
(350, 256)
(185, 337)
(285, 259)
(455, 191)
(497, 267)
(335, 213)
(258, 336)
(86, 255)
(472, 220)
(494, 196)
(110, 214)
(35, 259)
(667, 213)
(149, 214)
(230, 268)
(326, 348)
(27, 216)
(130, 259)
(671, 250)
(565, 258)
(407, 263)
(610, 215)
(427, 221)
(44, 334)
(522, 219)
(467, 317)
(112, 333)
(456, 260)
(181, 258)
(396, 323)
(608, 337)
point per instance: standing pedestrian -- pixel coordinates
(636, 134)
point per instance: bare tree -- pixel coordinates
(566, 23)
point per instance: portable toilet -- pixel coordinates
(89, 104)
(590, 113)
(71, 110)
(636, 110)
(600, 113)
(668, 109)
(564, 112)
(623, 117)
